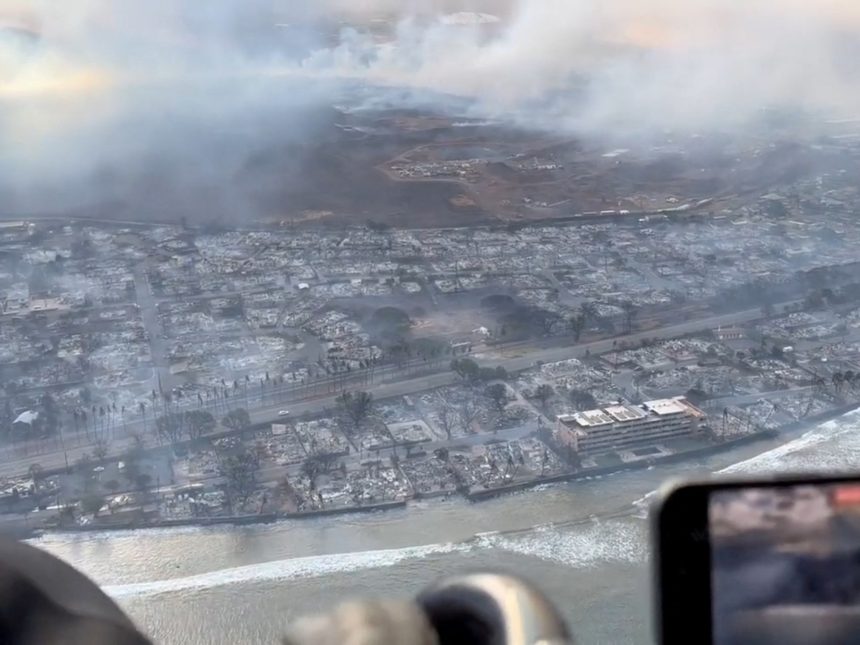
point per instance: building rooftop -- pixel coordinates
(591, 418)
(665, 406)
(625, 412)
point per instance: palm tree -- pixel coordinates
(589, 310)
(630, 311)
(577, 324)
(837, 380)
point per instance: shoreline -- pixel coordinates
(472, 495)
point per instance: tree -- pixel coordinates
(577, 324)
(498, 396)
(390, 322)
(141, 408)
(446, 416)
(583, 400)
(67, 515)
(112, 485)
(327, 461)
(429, 349)
(490, 374)
(132, 468)
(696, 394)
(92, 504)
(51, 413)
(466, 369)
(630, 312)
(35, 472)
(837, 380)
(528, 321)
(543, 320)
(240, 474)
(355, 406)
(311, 468)
(143, 481)
(544, 393)
(499, 303)
(238, 419)
(199, 423)
(169, 427)
(468, 411)
(589, 311)
(100, 451)
(84, 463)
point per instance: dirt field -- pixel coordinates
(406, 168)
(421, 168)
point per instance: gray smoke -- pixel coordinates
(152, 109)
(631, 65)
(168, 108)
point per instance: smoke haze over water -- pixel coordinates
(162, 104)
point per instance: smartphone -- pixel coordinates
(758, 561)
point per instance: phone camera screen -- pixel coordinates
(785, 564)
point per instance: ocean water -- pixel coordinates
(585, 544)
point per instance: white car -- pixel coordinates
(283, 413)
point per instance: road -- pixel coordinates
(14, 464)
(149, 315)
(606, 345)
(746, 399)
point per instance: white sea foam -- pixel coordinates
(473, 124)
(621, 540)
(644, 502)
(289, 569)
(832, 446)
(585, 545)
(65, 537)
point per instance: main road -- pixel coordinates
(14, 464)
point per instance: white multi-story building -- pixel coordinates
(627, 427)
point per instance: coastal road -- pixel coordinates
(13, 464)
(604, 346)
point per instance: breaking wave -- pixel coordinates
(597, 542)
(586, 544)
(289, 569)
(619, 536)
(832, 446)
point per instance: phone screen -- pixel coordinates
(785, 563)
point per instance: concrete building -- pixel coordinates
(628, 427)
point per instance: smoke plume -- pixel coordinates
(629, 65)
(160, 107)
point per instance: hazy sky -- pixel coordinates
(691, 59)
(116, 91)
